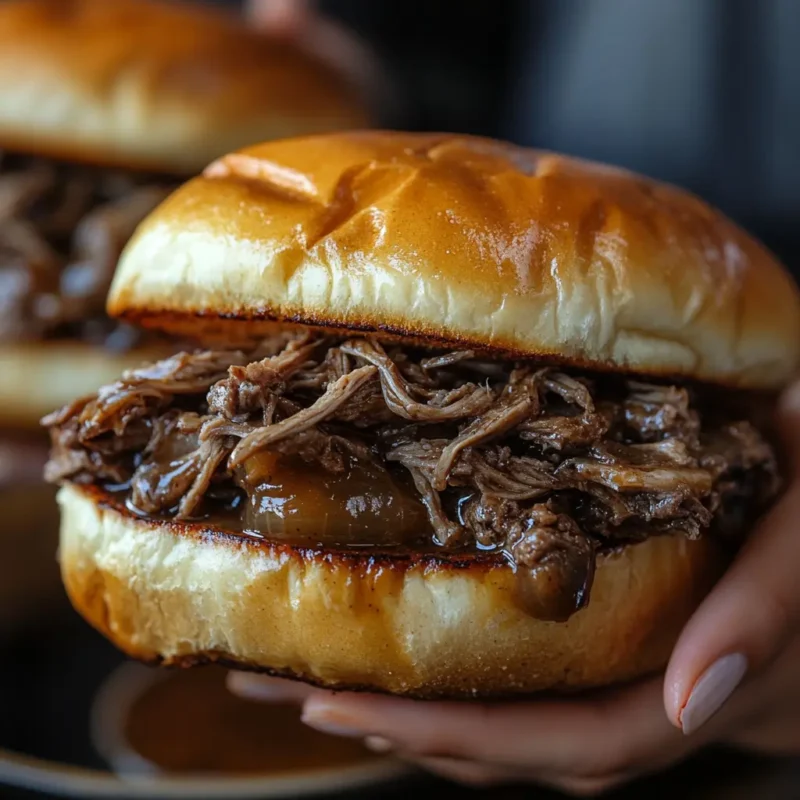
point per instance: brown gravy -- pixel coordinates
(189, 722)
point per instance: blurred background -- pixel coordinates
(701, 93)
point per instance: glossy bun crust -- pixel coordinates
(153, 84)
(427, 627)
(465, 241)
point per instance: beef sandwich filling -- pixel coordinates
(350, 443)
(62, 229)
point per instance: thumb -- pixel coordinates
(748, 616)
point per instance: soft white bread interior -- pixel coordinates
(154, 84)
(424, 626)
(469, 241)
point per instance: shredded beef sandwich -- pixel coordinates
(546, 467)
(502, 421)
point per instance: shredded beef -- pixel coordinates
(546, 466)
(62, 229)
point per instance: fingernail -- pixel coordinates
(333, 722)
(378, 744)
(791, 397)
(711, 691)
(265, 690)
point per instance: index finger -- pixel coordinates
(610, 732)
(748, 616)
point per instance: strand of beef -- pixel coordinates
(545, 465)
(62, 229)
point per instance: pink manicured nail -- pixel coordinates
(266, 690)
(791, 397)
(378, 744)
(335, 723)
(711, 691)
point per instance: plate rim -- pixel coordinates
(119, 689)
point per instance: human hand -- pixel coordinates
(299, 21)
(734, 678)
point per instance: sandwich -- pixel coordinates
(105, 107)
(477, 420)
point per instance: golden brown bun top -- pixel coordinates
(465, 241)
(153, 84)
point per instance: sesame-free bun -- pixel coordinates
(41, 376)
(465, 241)
(425, 626)
(154, 84)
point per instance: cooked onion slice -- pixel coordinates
(365, 505)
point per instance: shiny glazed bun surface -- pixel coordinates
(153, 84)
(466, 241)
(444, 626)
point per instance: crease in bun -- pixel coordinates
(153, 84)
(424, 626)
(465, 241)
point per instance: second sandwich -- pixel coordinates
(104, 107)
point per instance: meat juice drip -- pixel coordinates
(553, 592)
(364, 506)
(557, 585)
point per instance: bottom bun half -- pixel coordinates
(422, 626)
